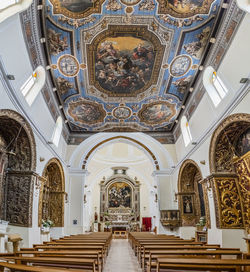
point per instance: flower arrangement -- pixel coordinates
(47, 223)
(202, 223)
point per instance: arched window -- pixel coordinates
(244, 5)
(57, 132)
(187, 137)
(33, 85)
(11, 7)
(7, 3)
(214, 86)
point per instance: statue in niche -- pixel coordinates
(187, 204)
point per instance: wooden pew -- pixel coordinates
(94, 254)
(205, 253)
(26, 268)
(201, 264)
(88, 264)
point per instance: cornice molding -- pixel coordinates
(216, 54)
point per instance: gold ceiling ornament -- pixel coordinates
(77, 10)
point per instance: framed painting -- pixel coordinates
(187, 204)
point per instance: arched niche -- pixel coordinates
(192, 194)
(223, 143)
(229, 158)
(17, 166)
(51, 204)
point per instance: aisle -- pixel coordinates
(121, 258)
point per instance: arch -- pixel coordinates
(187, 137)
(57, 131)
(153, 157)
(14, 8)
(18, 119)
(18, 161)
(160, 154)
(51, 203)
(223, 142)
(192, 193)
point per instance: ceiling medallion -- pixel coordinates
(130, 2)
(86, 112)
(68, 65)
(122, 112)
(76, 9)
(157, 113)
(180, 65)
(184, 9)
(129, 9)
(124, 60)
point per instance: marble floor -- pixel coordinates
(121, 258)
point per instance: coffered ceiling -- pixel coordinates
(126, 65)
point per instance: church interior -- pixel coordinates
(124, 135)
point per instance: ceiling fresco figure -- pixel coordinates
(124, 64)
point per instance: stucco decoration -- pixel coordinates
(192, 196)
(126, 52)
(52, 193)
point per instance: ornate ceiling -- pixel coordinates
(126, 65)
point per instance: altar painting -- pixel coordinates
(119, 195)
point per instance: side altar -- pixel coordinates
(120, 201)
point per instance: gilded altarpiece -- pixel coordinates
(52, 194)
(242, 167)
(228, 203)
(120, 198)
(229, 164)
(192, 195)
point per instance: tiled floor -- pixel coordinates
(121, 258)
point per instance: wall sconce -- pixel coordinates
(203, 162)
(175, 196)
(156, 197)
(66, 198)
(144, 208)
(42, 159)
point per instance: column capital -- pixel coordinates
(162, 173)
(78, 172)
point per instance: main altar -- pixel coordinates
(120, 201)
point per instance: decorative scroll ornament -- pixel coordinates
(242, 167)
(227, 201)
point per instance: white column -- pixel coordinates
(76, 215)
(164, 191)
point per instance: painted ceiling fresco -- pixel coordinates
(126, 65)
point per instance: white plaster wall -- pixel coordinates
(15, 59)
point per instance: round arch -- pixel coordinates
(193, 199)
(160, 157)
(51, 204)
(223, 142)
